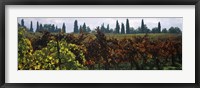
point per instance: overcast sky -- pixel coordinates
(134, 22)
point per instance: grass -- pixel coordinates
(153, 36)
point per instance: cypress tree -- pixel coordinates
(75, 26)
(64, 28)
(41, 28)
(22, 22)
(102, 28)
(142, 27)
(80, 29)
(117, 27)
(37, 28)
(31, 27)
(84, 27)
(107, 29)
(127, 27)
(159, 27)
(122, 29)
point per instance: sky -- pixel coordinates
(93, 22)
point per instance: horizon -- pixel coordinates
(94, 22)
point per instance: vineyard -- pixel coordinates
(98, 51)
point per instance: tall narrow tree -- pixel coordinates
(127, 27)
(117, 27)
(80, 29)
(102, 28)
(31, 27)
(122, 29)
(84, 27)
(22, 22)
(56, 28)
(75, 26)
(41, 27)
(107, 29)
(37, 27)
(142, 27)
(63, 28)
(159, 27)
(53, 28)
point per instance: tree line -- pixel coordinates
(123, 29)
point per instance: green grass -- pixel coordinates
(153, 36)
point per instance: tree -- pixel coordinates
(123, 30)
(127, 27)
(154, 30)
(18, 24)
(133, 31)
(174, 30)
(84, 27)
(80, 29)
(107, 29)
(111, 30)
(63, 28)
(88, 29)
(56, 30)
(142, 26)
(139, 30)
(52, 28)
(164, 30)
(75, 26)
(41, 28)
(31, 27)
(102, 28)
(117, 27)
(22, 22)
(38, 27)
(146, 29)
(178, 30)
(171, 30)
(159, 27)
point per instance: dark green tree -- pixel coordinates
(18, 24)
(146, 29)
(132, 30)
(41, 27)
(154, 30)
(22, 22)
(164, 30)
(56, 29)
(142, 26)
(139, 30)
(63, 28)
(88, 29)
(84, 27)
(75, 26)
(37, 27)
(117, 27)
(31, 27)
(102, 28)
(111, 30)
(174, 30)
(80, 29)
(127, 27)
(108, 29)
(123, 30)
(52, 28)
(178, 30)
(159, 27)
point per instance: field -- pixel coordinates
(99, 51)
